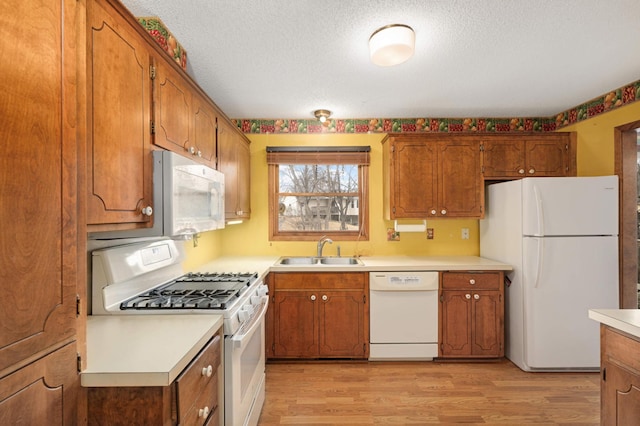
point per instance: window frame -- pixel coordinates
(357, 155)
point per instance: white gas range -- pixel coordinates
(147, 278)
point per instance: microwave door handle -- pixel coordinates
(239, 340)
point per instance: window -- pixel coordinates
(316, 191)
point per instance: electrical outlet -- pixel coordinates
(465, 233)
(429, 233)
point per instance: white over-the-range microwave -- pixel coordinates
(188, 199)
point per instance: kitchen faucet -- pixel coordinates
(321, 244)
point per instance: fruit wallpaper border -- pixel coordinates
(614, 99)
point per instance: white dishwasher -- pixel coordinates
(403, 315)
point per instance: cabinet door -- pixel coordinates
(244, 179)
(487, 323)
(205, 131)
(42, 393)
(39, 164)
(234, 161)
(413, 170)
(341, 324)
(460, 187)
(620, 398)
(547, 156)
(295, 324)
(172, 112)
(455, 323)
(503, 158)
(119, 91)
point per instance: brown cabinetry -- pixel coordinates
(471, 315)
(620, 377)
(427, 176)
(39, 254)
(119, 158)
(138, 100)
(318, 315)
(539, 155)
(234, 160)
(192, 399)
(184, 121)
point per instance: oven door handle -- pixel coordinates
(246, 331)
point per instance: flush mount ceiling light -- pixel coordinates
(322, 114)
(392, 45)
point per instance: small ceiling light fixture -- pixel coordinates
(392, 44)
(322, 114)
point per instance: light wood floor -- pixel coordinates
(427, 393)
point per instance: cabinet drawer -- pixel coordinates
(620, 349)
(469, 280)
(320, 280)
(195, 388)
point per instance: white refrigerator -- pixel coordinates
(561, 237)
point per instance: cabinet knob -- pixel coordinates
(192, 150)
(199, 153)
(532, 171)
(207, 371)
(203, 412)
(472, 281)
(433, 212)
(324, 297)
(467, 296)
(313, 297)
(240, 212)
(147, 211)
(476, 296)
(443, 211)
(521, 171)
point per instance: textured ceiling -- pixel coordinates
(474, 58)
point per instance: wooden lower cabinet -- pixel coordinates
(42, 393)
(192, 399)
(318, 315)
(620, 378)
(471, 315)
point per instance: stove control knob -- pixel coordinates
(255, 300)
(243, 315)
(263, 290)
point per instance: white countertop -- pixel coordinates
(143, 350)
(627, 320)
(382, 263)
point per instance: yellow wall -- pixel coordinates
(595, 157)
(595, 139)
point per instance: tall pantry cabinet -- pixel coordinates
(39, 261)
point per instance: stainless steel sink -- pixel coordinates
(340, 261)
(310, 260)
(298, 261)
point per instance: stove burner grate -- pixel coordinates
(194, 291)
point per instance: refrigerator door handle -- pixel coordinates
(539, 210)
(539, 261)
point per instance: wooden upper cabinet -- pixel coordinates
(172, 110)
(184, 121)
(205, 130)
(234, 160)
(460, 187)
(428, 176)
(539, 155)
(413, 177)
(119, 158)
